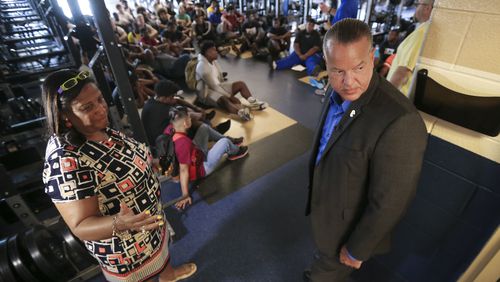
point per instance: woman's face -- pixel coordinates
(88, 112)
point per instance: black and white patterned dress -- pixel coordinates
(116, 170)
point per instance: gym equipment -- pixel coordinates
(6, 272)
(47, 251)
(21, 261)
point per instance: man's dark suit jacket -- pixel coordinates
(368, 173)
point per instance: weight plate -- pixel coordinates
(48, 254)
(6, 272)
(76, 250)
(20, 260)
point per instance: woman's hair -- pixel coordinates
(56, 104)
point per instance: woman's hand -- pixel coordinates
(144, 221)
(183, 203)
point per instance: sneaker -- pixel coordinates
(320, 92)
(236, 50)
(316, 71)
(260, 106)
(210, 115)
(271, 62)
(244, 114)
(223, 127)
(256, 104)
(223, 51)
(236, 141)
(316, 84)
(242, 152)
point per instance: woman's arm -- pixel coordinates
(86, 222)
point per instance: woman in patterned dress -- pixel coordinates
(103, 185)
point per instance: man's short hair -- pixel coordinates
(429, 2)
(205, 46)
(347, 31)
(161, 11)
(310, 20)
(166, 88)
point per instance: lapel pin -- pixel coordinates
(353, 112)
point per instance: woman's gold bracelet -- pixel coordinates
(116, 233)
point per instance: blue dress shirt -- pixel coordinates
(347, 9)
(335, 113)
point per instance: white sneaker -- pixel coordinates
(245, 114)
(256, 104)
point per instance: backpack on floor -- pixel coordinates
(165, 148)
(190, 73)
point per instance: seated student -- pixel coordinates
(198, 9)
(155, 113)
(214, 91)
(214, 7)
(203, 30)
(182, 18)
(388, 47)
(161, 63)
(120, 33)
(307, 51)
(141, 23)
(163, 18)
(229, 27)
(253, 35)
(279, 39)
(175, 39)
(232, 19)
(195, 160)
(384, 70)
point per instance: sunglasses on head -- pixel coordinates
(72, 82)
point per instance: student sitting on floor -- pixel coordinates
(307, 51)
(279, 39)
(195, 160)
(214, 91)
(176, 39)
(253, 36)
(155, 114)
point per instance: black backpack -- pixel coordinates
(165, 149)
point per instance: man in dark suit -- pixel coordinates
(366, 159)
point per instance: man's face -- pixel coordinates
(393, 36)
(276, 23)
(349, 67)
(140, 20)
(423, 11)
(211, 54)
(163, 16)
(310, 27)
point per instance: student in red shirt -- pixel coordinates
(195, 160)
